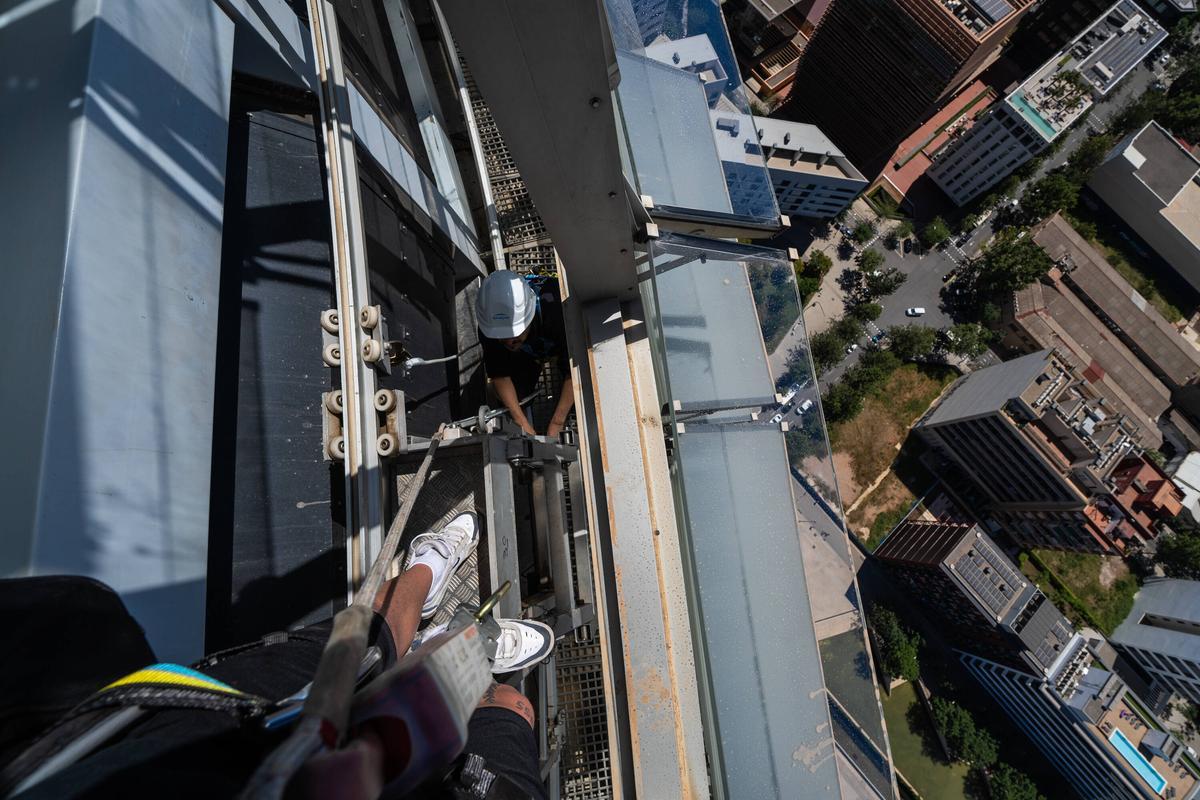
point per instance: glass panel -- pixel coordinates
(757, 481)
(679, 79)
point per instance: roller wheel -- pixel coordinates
(334, 402)
(385, 400)
(337, 448)
(329, 320)
(368, 317)
(387, 444)
(332, 355)
(372, 351)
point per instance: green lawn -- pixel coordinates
(913, 749)
(1107, 602)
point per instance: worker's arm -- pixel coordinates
(508, 395)
(566, 399)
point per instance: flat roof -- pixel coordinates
(1164, 597)
(1090, 274)
(1054, 318)
(989, 389)
(1102, 55)
(1163, 164)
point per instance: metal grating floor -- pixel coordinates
(584, 772)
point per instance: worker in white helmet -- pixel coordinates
(520, 328)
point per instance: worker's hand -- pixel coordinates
(527, 428)
(554, 429)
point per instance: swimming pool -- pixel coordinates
(1137, 761)
(1028, 112)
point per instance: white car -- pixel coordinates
(851, 348)
(775, 420)
(915, 311)
(805, 406)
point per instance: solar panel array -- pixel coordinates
(994, 10)
(989, 574)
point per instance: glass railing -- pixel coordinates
(771, 585)
(690, 142)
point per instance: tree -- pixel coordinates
(1088, 156)
(826, 349)
(866, 312)
(841, 403)
(864, 232)
(1179, 552)
(968, 742)
(807, 286)
(1007, 783)
(871, 371)
(886, 282)
(969, 223)
(1011, 264)
(848, 330)
(935, 233)
(903, 229)
(910, 342)
(898, 647)
(819, 262)
(968, 339)
(1048, 194)
(870, 260)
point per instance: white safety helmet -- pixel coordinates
(505, 305)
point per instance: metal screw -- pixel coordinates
(595, 102)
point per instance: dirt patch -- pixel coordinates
(1112, 570)
(849, 487)
(869, 440)
(881, 510)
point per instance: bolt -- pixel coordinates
(594, 102)
(336, 352)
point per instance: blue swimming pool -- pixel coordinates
(1137, 761)
(1036, 119)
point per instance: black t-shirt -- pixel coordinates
(547, 339)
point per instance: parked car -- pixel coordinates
(915, 311)
(805, 406)
(852, 348)
(775, 420)
(789, 394)
(908, 245)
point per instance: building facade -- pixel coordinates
(873, 71)
(1152, 182)
(1047, 103)
(810, 175)
(1088, 725)
(1042, 444)
(1162, 635)
(986, 604)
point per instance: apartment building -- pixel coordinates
(873, 71)
(810, 175)
(1162, 635)
(987, 606)
(1091, 727)
(1152, 182)
(1048, 102)
(1042, 443)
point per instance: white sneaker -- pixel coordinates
(443, 552)
(523, 642)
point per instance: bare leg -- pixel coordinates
(400, 600)
(501, 695)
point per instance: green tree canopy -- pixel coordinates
(903, 229)
(864, 232)
(936, 232)
(871, 259)
(819, 262)
(968, 339)
(841, 402)
(969, 743)
(866, 312)
(883, 284)
(1050, 193)
(1012, 264)
(848, 330)
(1088, 156)
(910, 342)
(1008, 783)
(826, 348)
(898, 646)
(1179, 553)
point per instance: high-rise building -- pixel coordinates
(1047, 103)
(1043, 444)
(810, 175)
(1152, 182)
(988, 606)
(875, 69)
(1090, 727)
(1162, 635)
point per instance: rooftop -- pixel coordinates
(1161, 162)
(989, 389)
(978, 17)
(1157, 605)
(1058, 93)
(1052, 316)
(1087, 273)
(802, 147)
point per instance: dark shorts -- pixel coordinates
(177, 753)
